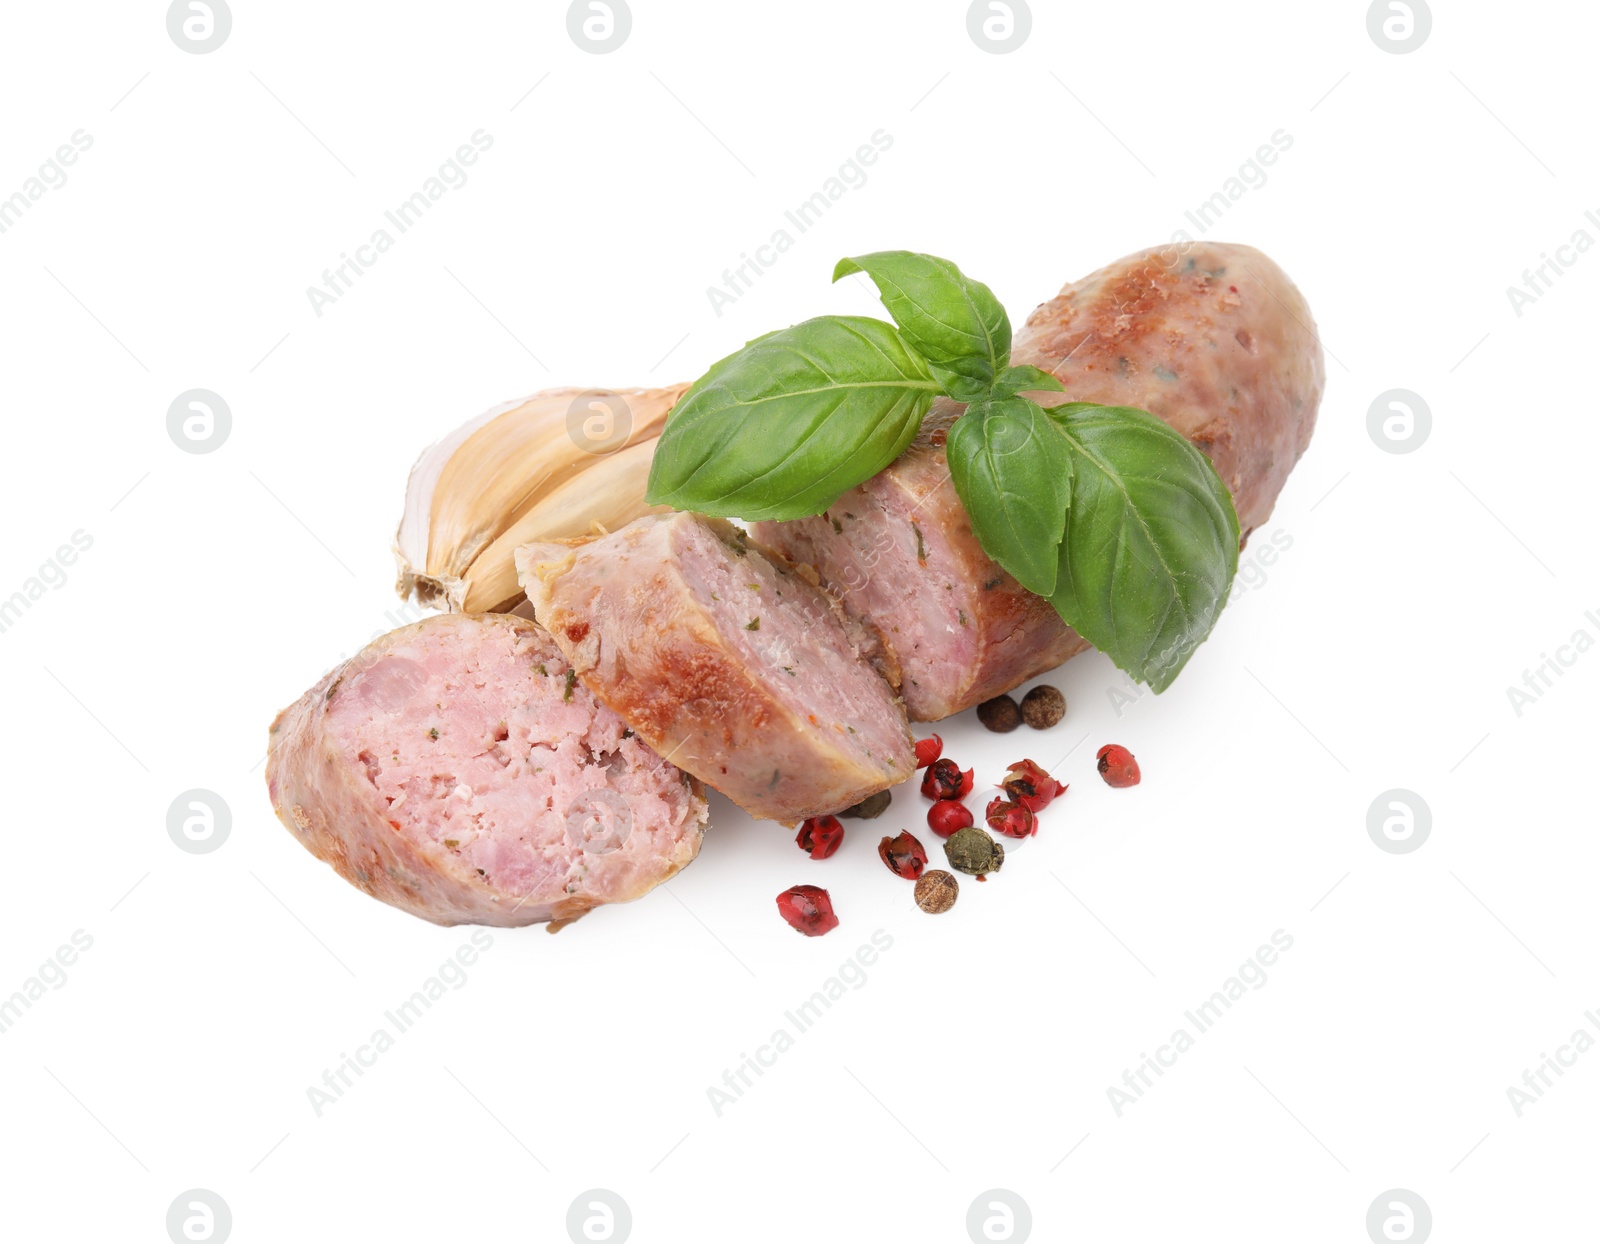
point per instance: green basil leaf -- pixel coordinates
(1012, 469)
(1151, 542)
(1024, 376)
(780, 428)
(957, 324)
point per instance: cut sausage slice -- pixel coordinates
(456, 769)
(900, 551)
(1213, 338)
(727, 661)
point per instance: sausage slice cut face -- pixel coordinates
(727, 660)
(458, 770)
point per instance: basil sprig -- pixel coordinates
(957, 324)
(1106, 511)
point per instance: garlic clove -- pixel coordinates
(603, 497)
(502, 468)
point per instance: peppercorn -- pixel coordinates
(870, 807)
(973, 852)
(929, 750)
(936, 891)
(1014, 820)
(1001, 714)
(948, 815)
(1043, 707)
(808, 909)
(946, 780)
(903, 855)
(819, 836)
(1031, 786)
(1117, 765)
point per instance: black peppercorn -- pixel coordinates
(870, 807)
(1000, 714)
(1043, 707)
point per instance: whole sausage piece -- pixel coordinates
(727, 660)
(458, 770)
(1213, 338)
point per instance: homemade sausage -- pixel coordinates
(1213, 338)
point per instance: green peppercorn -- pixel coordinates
(973, 852)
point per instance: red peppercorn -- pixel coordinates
(808, 909)
(903, 855)
(1117, 765)
(948, 815)
(1026, 783)
(929, 750)
(1008, 817)
(945, 780)
(820, 836)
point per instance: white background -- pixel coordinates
(1374, 654)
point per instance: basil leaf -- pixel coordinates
(1151, 542)
(1024, 376)
(780, 428)
(1012, 469)
(957, 324)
